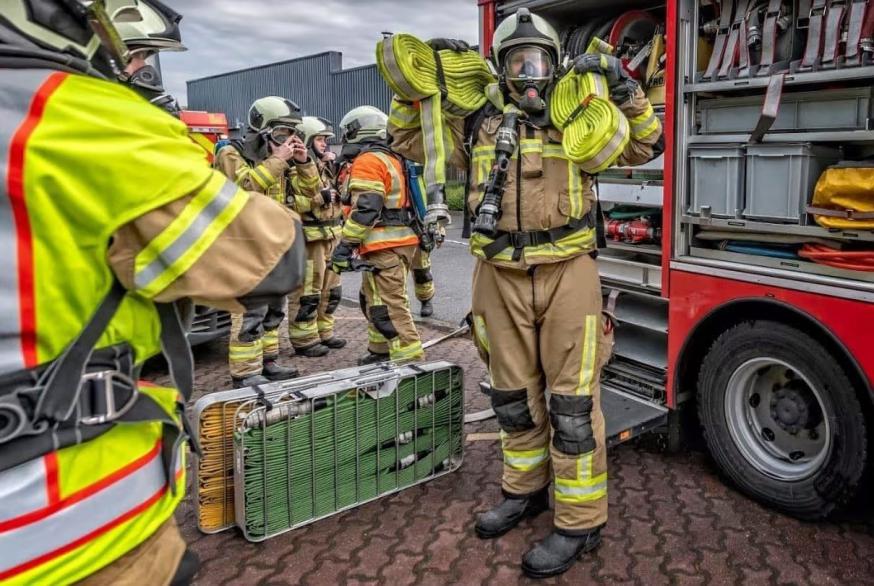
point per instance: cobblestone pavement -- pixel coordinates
(672, 521)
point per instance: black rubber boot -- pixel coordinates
(372, 358)
(249, 381)
(334, 343)
(185, 572)
(275, 371)
(316, 350)
(558, 552)
(509, 512)
(427, 309)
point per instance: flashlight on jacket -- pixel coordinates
(490, 209)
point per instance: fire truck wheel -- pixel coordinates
(781, 419)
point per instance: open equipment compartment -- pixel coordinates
(780, 114)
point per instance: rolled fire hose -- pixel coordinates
(595, 130)
(445, 83)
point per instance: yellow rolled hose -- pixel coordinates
(409, 67)
(595, 131)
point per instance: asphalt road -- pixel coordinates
(452, 266)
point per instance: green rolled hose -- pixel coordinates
(353, 448)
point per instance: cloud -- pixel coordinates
(224, 35)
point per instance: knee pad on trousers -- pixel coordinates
(571, 418)
(422, 276)
(382, 322)
(511, 409)
(309, 306)
(334, 297)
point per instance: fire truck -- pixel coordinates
(206, 129)
(737, 311)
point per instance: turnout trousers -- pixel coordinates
(386, 306)
(422, 277)
(254, 339)
(311, 307)
(541, 331)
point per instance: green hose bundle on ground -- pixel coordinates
(595, 131)
(351, 449)
(445, 83)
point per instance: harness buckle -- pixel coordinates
(520, 239)
(106, 381)
(817, 11)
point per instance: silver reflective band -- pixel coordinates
(45, 536)
(188, 238)
(16, 93)
(529, 461)
(566, 490)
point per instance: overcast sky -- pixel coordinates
(224, 35)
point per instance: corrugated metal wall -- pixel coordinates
(318, 83)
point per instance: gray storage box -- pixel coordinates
(825, 110)
(781, 177)
(716, 180)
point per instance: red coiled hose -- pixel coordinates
(854, 260)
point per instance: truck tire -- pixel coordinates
(781, 419)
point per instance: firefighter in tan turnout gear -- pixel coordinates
(271, 160)
(110, 216)
(536, 294)
(379, 228)
(311, 308)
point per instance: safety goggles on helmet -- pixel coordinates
(280, 133)
(528, 65)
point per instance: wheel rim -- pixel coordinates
(777, 419)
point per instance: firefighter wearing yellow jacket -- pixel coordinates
(536, 294)
(109, 216)
(311, 308)
(379, 229)
(272, 160)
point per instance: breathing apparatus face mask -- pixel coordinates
(147, 82)
(528, 71)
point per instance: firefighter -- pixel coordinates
(311, 308)
(261, 162)
(423, 280)
(379, 229)
(147, 27)
(110, 215)
(536, 295)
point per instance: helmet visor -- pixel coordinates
(528, 63)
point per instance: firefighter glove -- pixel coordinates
(622, 87)
(450, 44)
(341, 260)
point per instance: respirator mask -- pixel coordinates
(528, 71)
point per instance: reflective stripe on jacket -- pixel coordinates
(81, 159)
(376, 183)
(321, 219)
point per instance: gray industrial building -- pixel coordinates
(318, 83)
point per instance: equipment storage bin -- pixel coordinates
(835, 110)
(780, 179)
(716, 179)
(310, 454)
